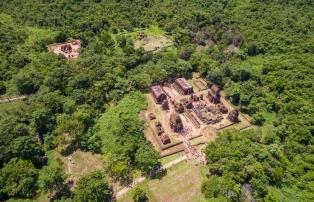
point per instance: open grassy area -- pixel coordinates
(181, 183)
(156, 38)
(151, 30)
(170, 158)
(10, 108)
(198, 140)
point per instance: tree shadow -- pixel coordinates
(158, 174)
(69, 149)
(64, 192)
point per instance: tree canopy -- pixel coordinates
(93, 187)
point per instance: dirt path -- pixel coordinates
(12, 99)
(141, 179)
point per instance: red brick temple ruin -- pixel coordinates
(161, 133)
(222, 108)
(178, 107)
(187, 103)
(158, 94)
(176, 122)
(165, 138)
(195, 98)
(165, 105)
(214, 94)
(68, 49)
(182, 86)
(159, 128)
(233, 116)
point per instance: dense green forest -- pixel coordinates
(262, 55)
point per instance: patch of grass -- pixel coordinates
(269, 117)
(171, 50)
(170, 158)
(255, 63)
(198, 140)
(181, 183)
(41, 198)
(136, 174)
(35, 34)
(154, 30)
(7, 108)
(151, 30)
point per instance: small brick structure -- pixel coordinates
(187, 103)
(165, 105)
(222, 108)
(182, 86)
(195, 98)
(233, 116)
(165, 138)
(158, 94)
(214, 94)
(178, 107)
(191, 117)
(175, 122)
(159, 129)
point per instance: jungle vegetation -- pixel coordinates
(261, 55)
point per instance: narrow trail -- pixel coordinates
(12, 99)
(141, 179)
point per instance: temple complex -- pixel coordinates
(179, 115)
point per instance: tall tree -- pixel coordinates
(18, 178)
(51, 178)
(93, 188)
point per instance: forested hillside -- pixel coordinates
(261, 53)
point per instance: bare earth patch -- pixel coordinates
(80, 163)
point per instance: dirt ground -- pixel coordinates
(153, 43)
(80, 163)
